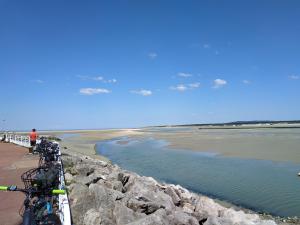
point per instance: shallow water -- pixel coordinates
(261, 185)
(67, 135)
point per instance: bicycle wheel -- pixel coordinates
(28, 217)
(51, 219)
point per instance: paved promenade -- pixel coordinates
(14, 160)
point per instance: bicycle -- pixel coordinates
(38, 205)
(48, 152)
(42, 178)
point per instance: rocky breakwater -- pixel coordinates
(102, 193)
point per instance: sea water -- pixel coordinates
(260, 185)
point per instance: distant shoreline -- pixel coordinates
(234, 125)
(240, 124)
(253, 127)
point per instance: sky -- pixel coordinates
(123, 64)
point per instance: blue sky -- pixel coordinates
(110, 64)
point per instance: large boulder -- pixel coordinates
(144, 188)
(81, 201)
(92, 216)
(104, 197)
(208, 207)
(143, 206)
(123, 215)
(157, 218)
(179, 217)
(69, 178)
(172, 193)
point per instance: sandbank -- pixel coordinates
(86, 140)
(266, 144)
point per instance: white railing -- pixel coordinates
(64, 207)
(18, 139)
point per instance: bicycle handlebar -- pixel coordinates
(15, 188)
(3, 188)
(58, 191)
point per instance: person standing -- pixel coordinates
(33, 137)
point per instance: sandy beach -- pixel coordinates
(85, 141)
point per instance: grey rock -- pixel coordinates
(212, 221)
(92, 216)
(123, 178)
(200, 216)
(111, 184)
(81, 201)
(157, 218)
(68, 161)
(104, 171)
(106, 218)
(143, 206)
(72, 170)
(68, 178)
(78, 191)
(142, 187)
(104, 197)
(208, 206)
(184, 194)
(188, 208)
(117, 185)
(124, 215)
(180, 218)
(84, 169)
(171, 192)
(94, 178)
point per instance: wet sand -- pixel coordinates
(14, 161)
(266, 144)
(278, 144)
(85, 141)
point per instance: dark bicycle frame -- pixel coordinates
(28, 215)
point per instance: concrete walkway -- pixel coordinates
(14, 160)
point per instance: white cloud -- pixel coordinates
(246, 82)
(184, 74)
(206, 46)
(112, 81)
(97, 78)
(218, 83)
(38, 81)
(142, 92)
(152, 55)
(179, 87)
(294, 77)
(185, 87)
(84, 77)
(93, 91)
(194, 85)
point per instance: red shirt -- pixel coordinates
(33, 136)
